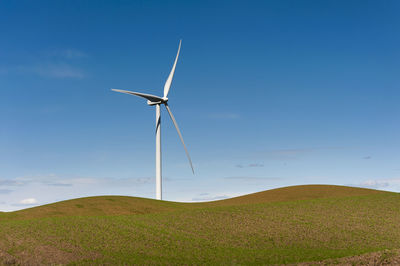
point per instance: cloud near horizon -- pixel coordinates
(210, 198)
(28, 201)
(379, 183)
(251, 178)
(57, 181)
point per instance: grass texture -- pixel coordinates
(281, 226)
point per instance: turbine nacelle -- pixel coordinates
(161, 101)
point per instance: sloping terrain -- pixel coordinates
(92, 206)
(123, 205)
(281, 226)
(303, 192)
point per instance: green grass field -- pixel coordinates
(282, 226)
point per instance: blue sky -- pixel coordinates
(266, 93)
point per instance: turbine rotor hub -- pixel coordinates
(163, 101)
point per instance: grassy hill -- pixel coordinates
(286, 225)
(123, 205)
(92, 206)
(304, 192)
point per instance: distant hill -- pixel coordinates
(123, 205)
(99, 205)
(302, 192)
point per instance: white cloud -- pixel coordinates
(28, 201)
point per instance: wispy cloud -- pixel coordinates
(256, 165)
(5, 191)
(58, 64)
(249, 165)
(57, 181)
(48, 179)
(367, 157)
(55, 70)
(374, 184)
(393, 184)
(47, 70)
(290, 154)
(210, 198)
(144, 180)
(126, 181)
(282, 154)
(12, 182)
(251, 178)
(60, 184)
(67, 53)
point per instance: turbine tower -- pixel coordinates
(158, 101)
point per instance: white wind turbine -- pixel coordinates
(157, 101)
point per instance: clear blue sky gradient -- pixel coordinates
(267, 94)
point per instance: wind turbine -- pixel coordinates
(158, 101)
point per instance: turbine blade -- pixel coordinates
(168, 83)
(180, 135)
(149, 97)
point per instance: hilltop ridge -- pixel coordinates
(125, 205)
(300, 192)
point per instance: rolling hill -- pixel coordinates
(281, 226)
(123, 205)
